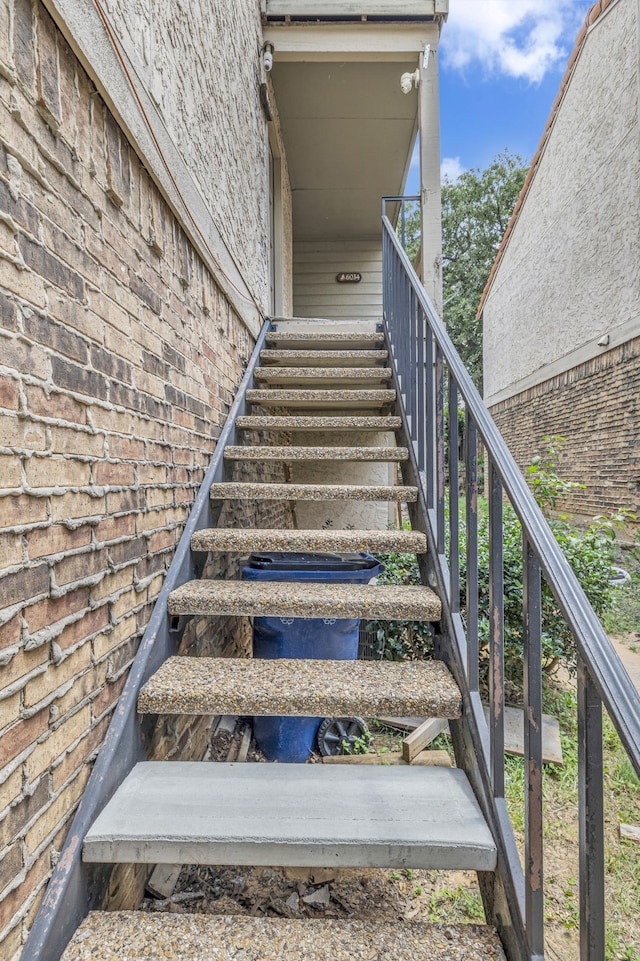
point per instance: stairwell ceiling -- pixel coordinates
(349, 132)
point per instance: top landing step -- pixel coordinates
(325, 339)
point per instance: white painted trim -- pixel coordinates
(349, 41)
(351, 8)
(617, 337)
(84, 30)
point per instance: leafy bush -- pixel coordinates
(399, 640)
(589, 551)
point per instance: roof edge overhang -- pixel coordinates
(345, 11)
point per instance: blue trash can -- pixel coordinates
(292, 739)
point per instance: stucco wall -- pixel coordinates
(571, 271)
(200, 63)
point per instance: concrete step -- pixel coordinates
(293, 814)
(319, 423)
(138, 936)
(321, 358)
(348, 399)
(394, 454)
(301, 688)
(297, 599)
(312, 492)
(241, 540)
(324, 339)
(338, 377)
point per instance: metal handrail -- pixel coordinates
(421, 353)
(73, 884)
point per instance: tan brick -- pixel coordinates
(115, 475)
(21, 510)
(22, 663)
(10, 471)
(126, 603)
(57, 472)
(56, 744)
(158, 497)
(55, 405)
(10, 632)
(53, 818)
(9, 392)
(92, 622)
(152, 474)
(114, 528)
(22, 434)
(46, 541)
(50, 610)
(126, 448)
(162, 541)
(24, 284)
(104, 644)
(56, 676)
(84, 686)
(71, 506)
(108, 696)
(12, 943)
(22, 585)
(109, 307)
(10, 549)
(117, 421)
(80, 755)
(21, 734)
(64, 440)
(113, 583)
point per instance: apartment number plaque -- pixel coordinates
(349, 277)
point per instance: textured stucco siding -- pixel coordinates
(571, 270)
(200, 63)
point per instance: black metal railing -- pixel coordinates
(432, 384)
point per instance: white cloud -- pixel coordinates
(450, 169)
(517, 38)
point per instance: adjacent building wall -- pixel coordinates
(569, 278)
(316, 293)
(119, 357)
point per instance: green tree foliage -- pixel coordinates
(476, 209)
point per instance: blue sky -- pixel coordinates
(501, 64)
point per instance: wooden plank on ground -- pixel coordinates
(514, 735)
(424, 759)
(163, 880)
(422, 737)
(630, 832)
(402, 723)
(245, 741)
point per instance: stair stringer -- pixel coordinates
(502, 890)
(75, 887)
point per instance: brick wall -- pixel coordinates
(119, 357)
(596, 407)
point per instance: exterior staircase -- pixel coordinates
(294, 814)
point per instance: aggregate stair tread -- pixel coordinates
(301, 688)
(312, 492)
(183, 812)
(356, 358)
(234, 539)
(327, 339)
(282, 422)
(300, 599)
(337, 377)
(349, 398)
(396, 454)
(138, 936)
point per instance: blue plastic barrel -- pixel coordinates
(292, 739)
